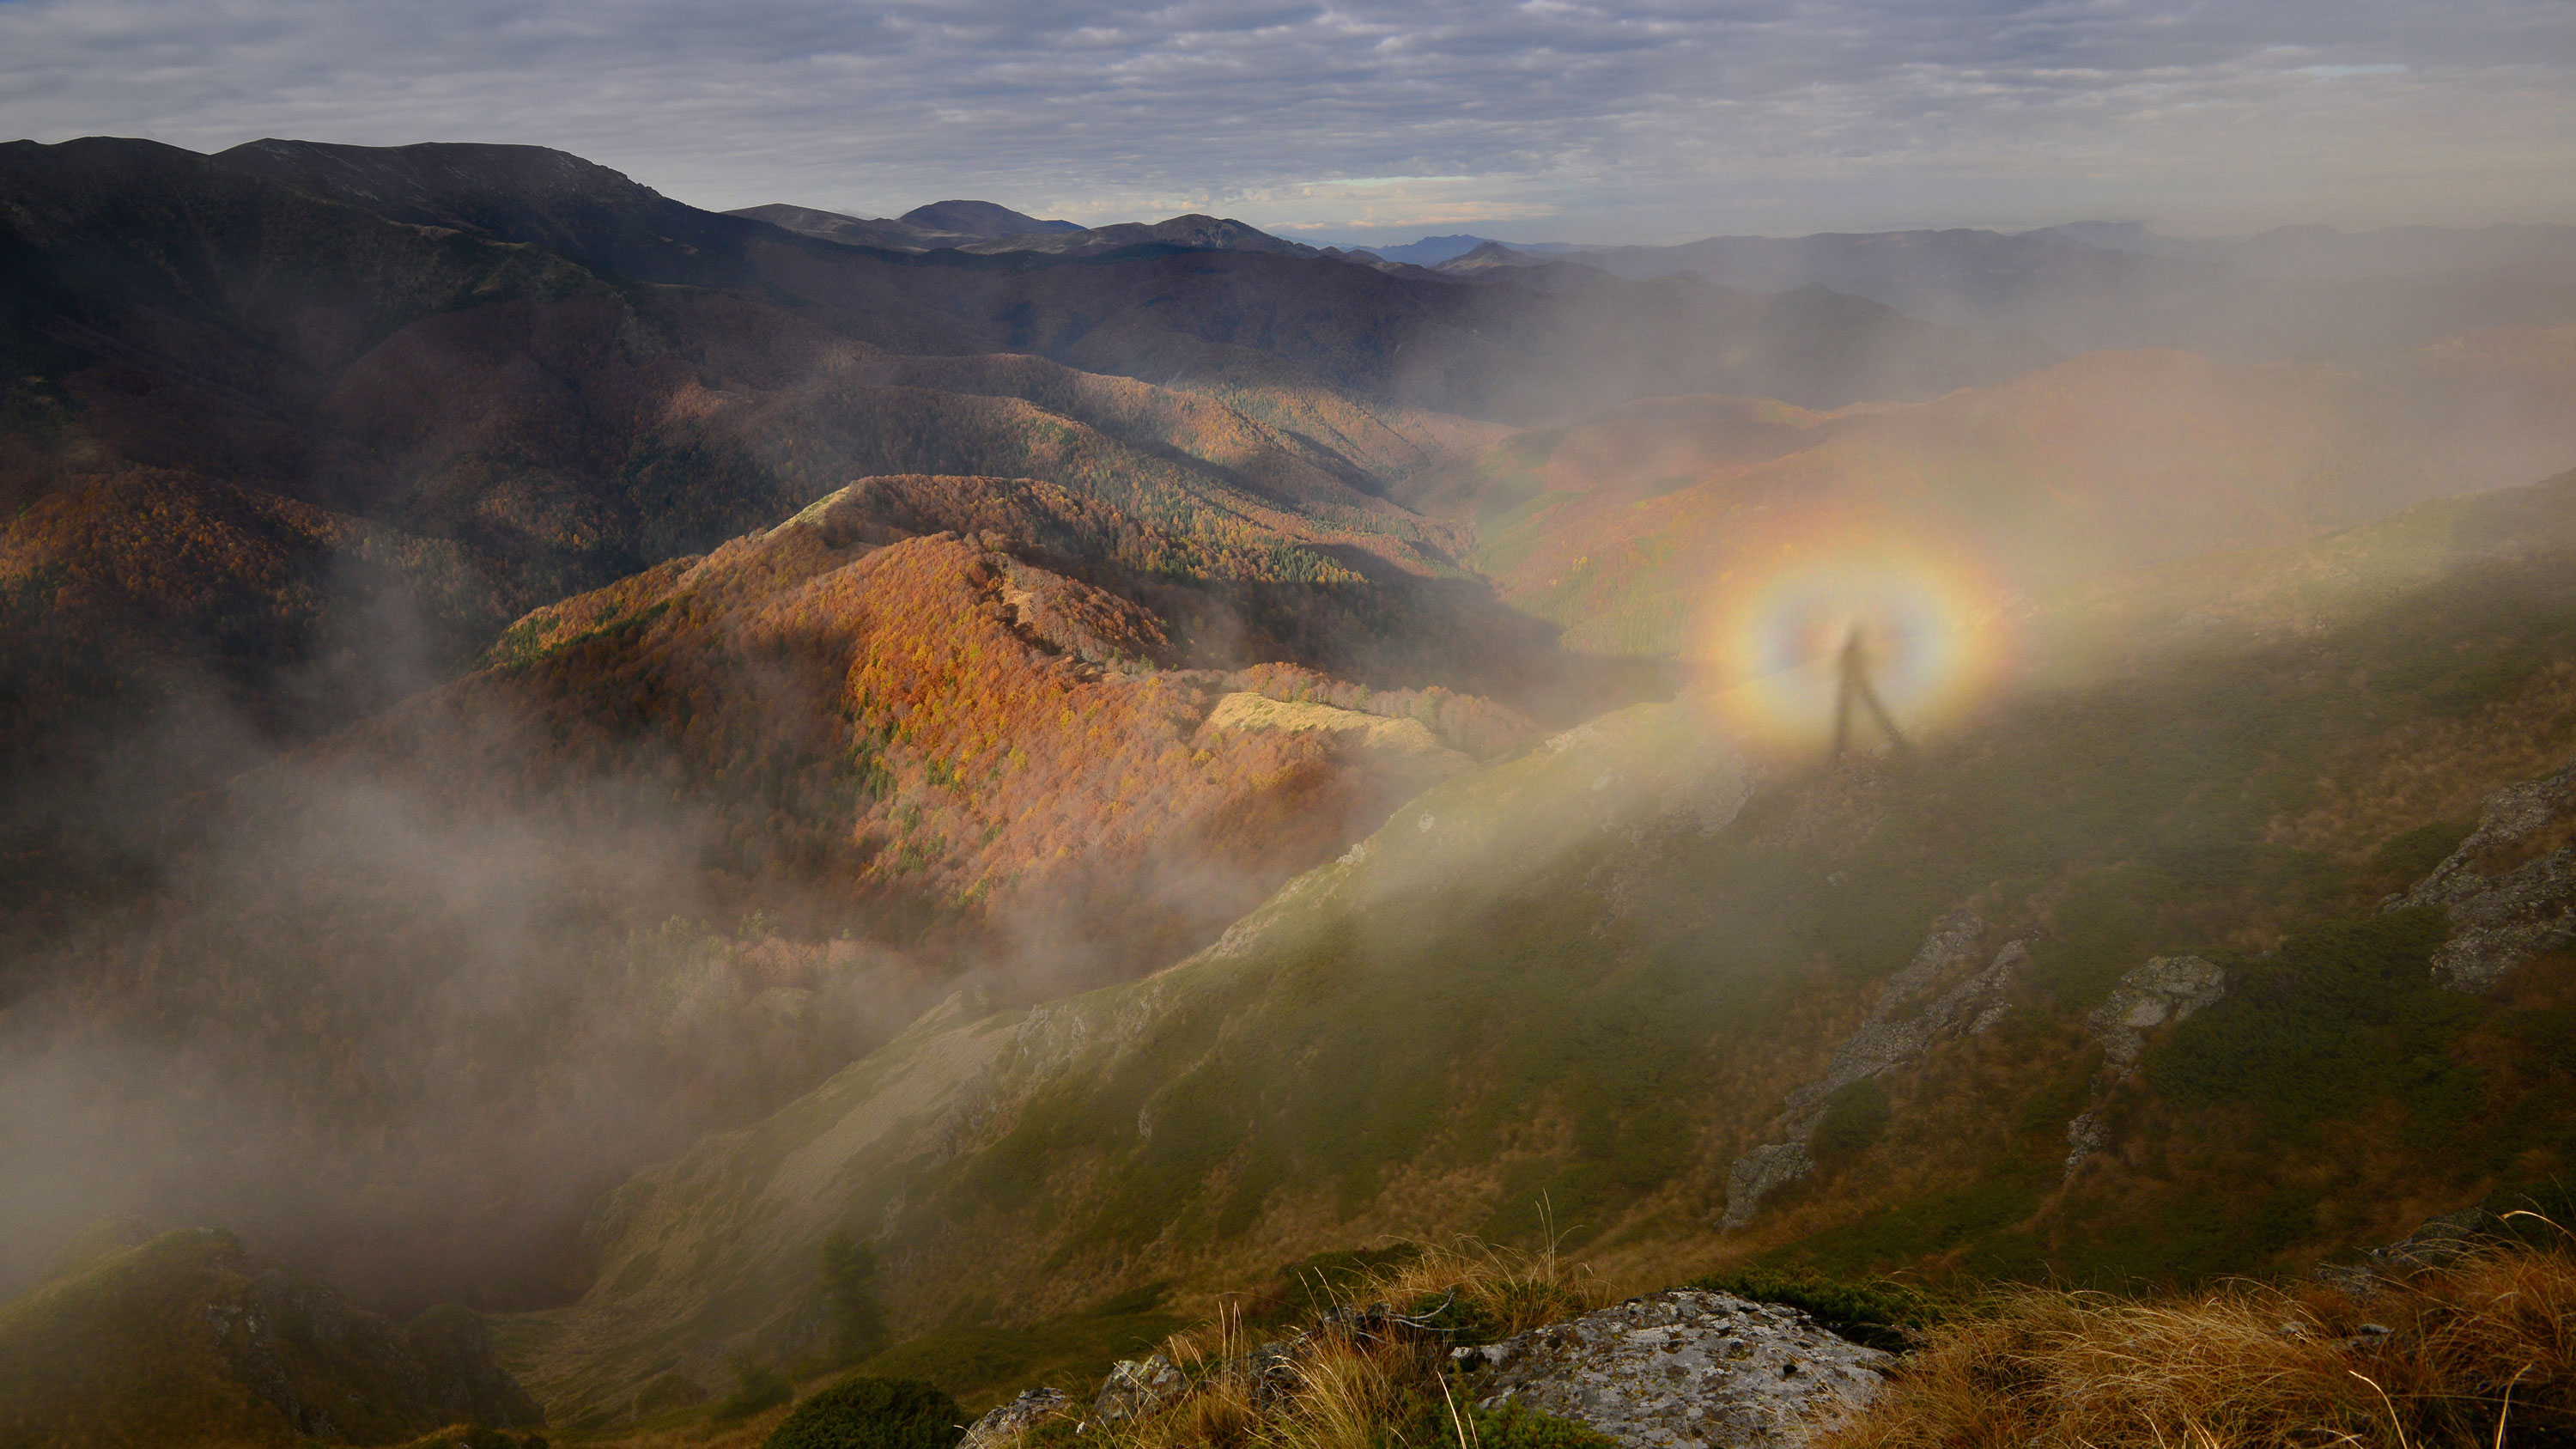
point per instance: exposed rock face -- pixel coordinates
(2084, 1136)
(1761, 1172)
(1912, 1015)
(2166, 989)
(1686, 1368)
(2507, 900)
(2439, 1242)
(1406, 742)
(2530, 911)
(1134, 1388)
(1004, 1424)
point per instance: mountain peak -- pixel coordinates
(986, 220)
(413, 173)
(1490, 254)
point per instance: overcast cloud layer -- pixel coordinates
(1635, 121)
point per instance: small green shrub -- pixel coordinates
(1458, 1318)
(2346, 1013)
(2411, 856)
(1431, 1425)
(1513, 1427)
(756, 1386)
(849, 1288)
(872, 1413)
(1877, 1314)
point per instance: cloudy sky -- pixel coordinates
(1640, 120)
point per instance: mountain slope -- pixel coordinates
(1189, 233)
(1334, 323)
(186, 1339)
(1594, 974)
(384, 334)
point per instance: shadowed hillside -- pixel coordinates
(185, 1339)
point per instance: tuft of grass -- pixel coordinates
(1477, 1292)
(2481, 1352)
(1364, 1366)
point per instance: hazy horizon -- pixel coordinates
(1635, 123)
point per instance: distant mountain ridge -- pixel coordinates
(924, 228)
(983, 228)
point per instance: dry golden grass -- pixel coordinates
(1352, 1382)
(2479, 1353)
(1519, 1289)
(2436, 768)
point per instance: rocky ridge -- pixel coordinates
(2509, 895)
(2160, 993)
(1908, 1020)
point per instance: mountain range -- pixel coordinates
(607, 762)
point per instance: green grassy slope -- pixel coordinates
(1587, 977)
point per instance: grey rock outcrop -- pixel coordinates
(2084, 1136)
(2162, 991)
(2439, 1243)
(1914, 1012)
(2503, 914)
(1685, 1368)
(1761, 1172)
(2165, 990)
(2530, 911)
(1005, 1424)
(1139, 1387)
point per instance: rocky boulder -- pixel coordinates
(1685, 1368)
(1007, 1424)
(1135, 1388)
(2510, 888)
(2166, 989)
